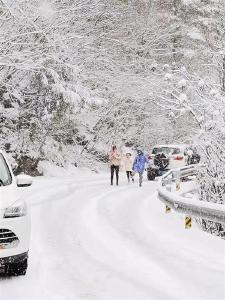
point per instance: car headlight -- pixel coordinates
(18, 209)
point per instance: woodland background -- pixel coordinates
(77, 76)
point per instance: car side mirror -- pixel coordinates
(23, 180)
(14, 166)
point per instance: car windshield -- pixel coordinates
(165, 150)
(5, 176)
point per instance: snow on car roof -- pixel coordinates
(169, 146)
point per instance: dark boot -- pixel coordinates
(117, 175)
(140, 179)
(112, 174)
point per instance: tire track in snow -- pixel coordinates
(151, 243)
(66, 265)
(48, 250)
(99, 275)
(105, 245)
(55, 192)
(172, 261)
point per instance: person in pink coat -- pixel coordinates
(114, 163)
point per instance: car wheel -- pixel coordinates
(150, 177)
(17, 269)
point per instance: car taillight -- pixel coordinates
(178, 158)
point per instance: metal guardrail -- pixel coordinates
(189, 206)
(173, 175)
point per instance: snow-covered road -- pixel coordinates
(94, 241)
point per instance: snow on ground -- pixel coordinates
(94, 241)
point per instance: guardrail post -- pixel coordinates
(177, 185)
(188, 222)
(176, 179)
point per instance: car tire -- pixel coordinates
(17, 269)
(151, 177)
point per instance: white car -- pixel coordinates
(176, 155)
(14, 221)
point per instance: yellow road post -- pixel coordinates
(168, 209)
(188, 222)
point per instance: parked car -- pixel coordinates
(14, 221)
(166, 157)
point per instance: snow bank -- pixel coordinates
(50, 170)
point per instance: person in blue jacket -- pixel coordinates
(139, 165)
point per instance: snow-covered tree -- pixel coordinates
(64, 61)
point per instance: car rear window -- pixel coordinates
(176, 151)
(166, 150)
(5, 175)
